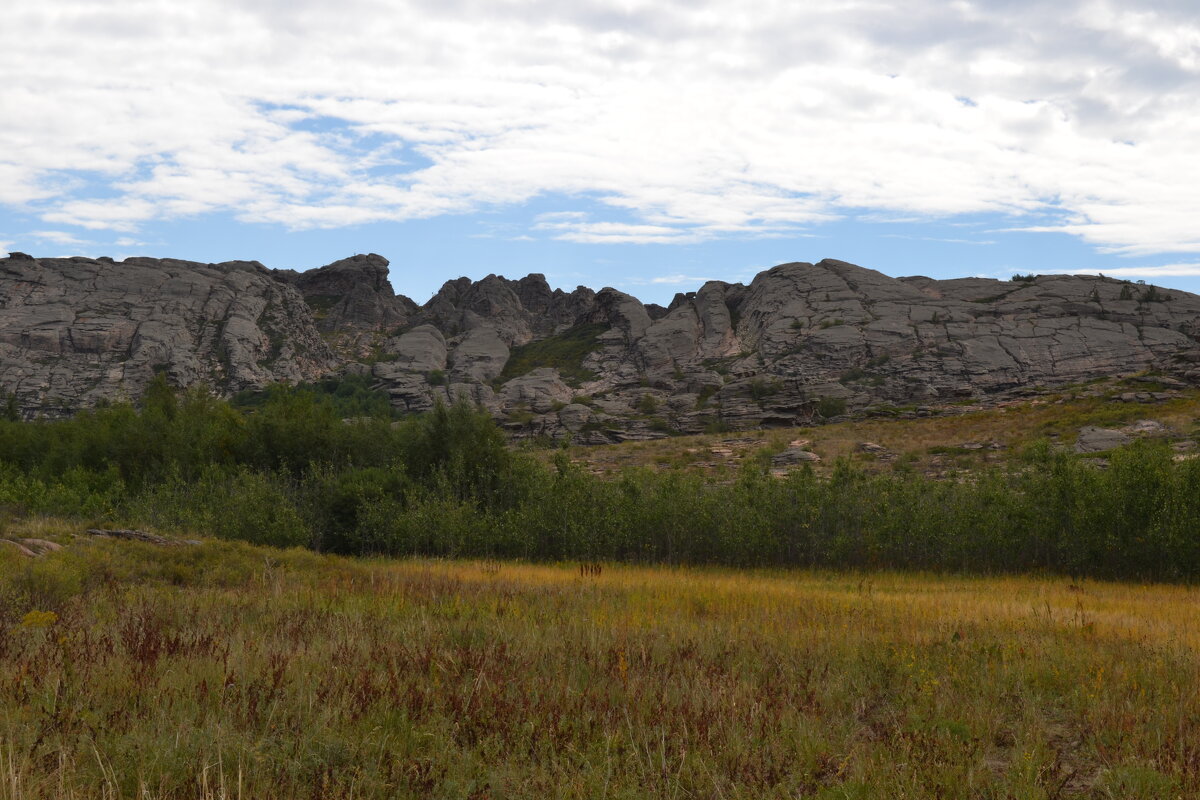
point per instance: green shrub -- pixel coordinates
(762, 388)
(238, 503)
(564, 351)
(351, 396)
(660, 425)
(831, 407)
(446, 484)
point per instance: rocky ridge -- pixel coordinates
(800, 342)
(76, 332)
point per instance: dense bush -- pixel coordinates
(564, 351)
(350, 395)
(293, 471)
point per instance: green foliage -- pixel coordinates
(1019, 278)
(349, 395)
(520, 414)
(648, 404)
(460, 451)
(564, 351)
(12, 408)
(292, 472)
(762, 388)
(718, 365)
(238, 503)
(715, 425)
(853, 374)
(436, 377)
(322, 304)
(660, 425)
(831, 407)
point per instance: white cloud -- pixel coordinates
(59, 237)
(1184, 270)
(693, 120)
(948, 240)
(575, 228)
(669, 280)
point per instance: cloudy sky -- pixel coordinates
(644, 145)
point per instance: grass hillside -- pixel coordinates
(931, 444)
(225, 670)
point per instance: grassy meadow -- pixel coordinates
(228, 670)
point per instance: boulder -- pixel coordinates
(422, 349)
(1098, 440)
(794, 455)
(17, 547)
(41, 546)
(541, 390)
(1145, 427)
(478, 356)
(574, 416)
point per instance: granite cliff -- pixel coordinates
(800, 342)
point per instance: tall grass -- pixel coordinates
(225, 670)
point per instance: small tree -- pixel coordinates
(12, 409)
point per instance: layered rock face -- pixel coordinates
(75, 332)
(352, 302)
(800, 342)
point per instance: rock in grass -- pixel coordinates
(794, 455)
(40, 546)
(1146, 427)
(20, 548)
(138, 536)
(1097, 440)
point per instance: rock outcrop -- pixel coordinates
(801, 342)
(352, 302)
(75, 332)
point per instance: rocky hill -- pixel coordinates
(77, 331)
(800, 342)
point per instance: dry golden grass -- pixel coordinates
(230, 671)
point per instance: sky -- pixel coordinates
(647, 145)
